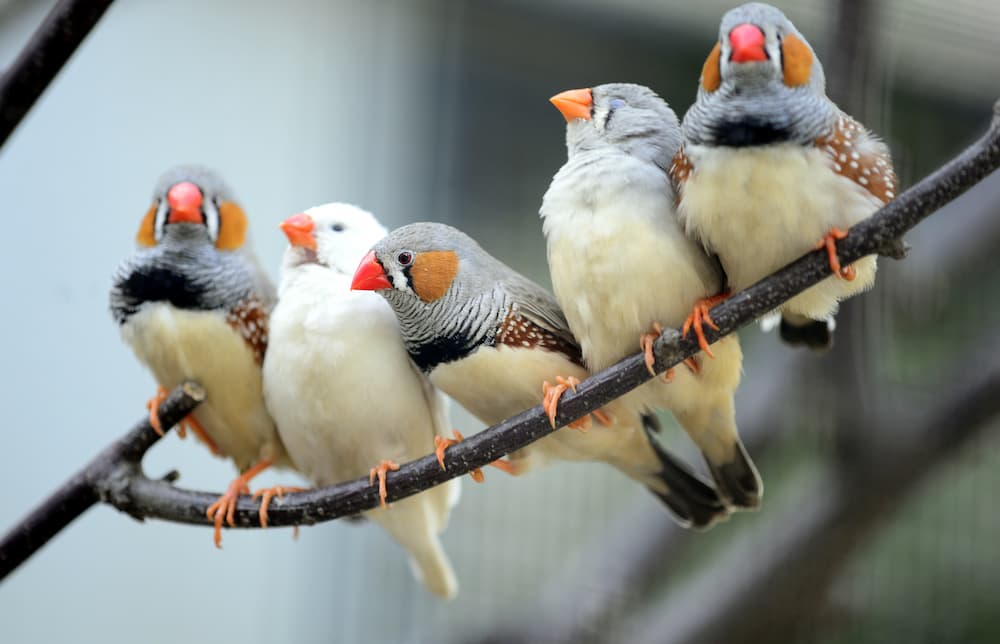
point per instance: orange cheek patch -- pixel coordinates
(147, 229)
(432, 273)
(796, 61)
(711, 78)
(232, 226)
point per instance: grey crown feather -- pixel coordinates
(758, 94)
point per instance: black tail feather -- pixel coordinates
(738, 480)
(693, 502)
(815, 334)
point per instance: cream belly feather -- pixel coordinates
(177, 345)
(495, 383)
(761, 207)
(345, 395)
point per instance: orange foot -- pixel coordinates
(699, 314)
(550, 403)
(385, 465)
(829, 242)
(646, 341)
(225, 507)
(188, 422)
(441, 444)
(266, 494)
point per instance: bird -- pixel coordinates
(193, 303)
(489, 338)
(622, 267)
(347, 400)
(771, 168)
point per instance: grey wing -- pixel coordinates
(539, 306)
(262, 285)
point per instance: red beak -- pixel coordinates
(574, 104)
(299, 230)
(184, 199)
(748, 43)
(370, 275)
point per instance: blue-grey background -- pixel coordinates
(437, 109)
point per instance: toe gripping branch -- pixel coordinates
(441, 444)
(829, 242)
(551, 394)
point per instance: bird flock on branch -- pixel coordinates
(343, 370)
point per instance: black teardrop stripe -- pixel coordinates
(156, 284)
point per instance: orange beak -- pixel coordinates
(184, 199)
(574, 104)
(748, 43)
(299, 230)
(370, 275)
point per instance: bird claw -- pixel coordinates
(225, 506)
(380, 470)
(698, 317)
(829, 242)
(188, 422)
(646, 341)
(550, 403)
(441, 444)
(266, 494)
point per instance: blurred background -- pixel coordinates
(880, 459)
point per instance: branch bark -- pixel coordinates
(55, 40)
(95, 482)
(125, 487)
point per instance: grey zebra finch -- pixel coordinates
(771, 168)
(622, 265)
(193, 303)
(489, 338)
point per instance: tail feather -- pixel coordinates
(694, 503)
(738, 480)
(815, 334)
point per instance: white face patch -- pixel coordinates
(211, 218)
(399, 280)
(160, 222)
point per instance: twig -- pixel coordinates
(55, 40)
(130, 491)
(93, 483)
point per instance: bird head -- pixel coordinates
(619, 116)
(761, 83)
(442, 286)
(193, 205)
(334, 235)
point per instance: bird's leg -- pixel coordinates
(829, 242)
(188, 422)
(268, 493)
(385, 465)
(225, 506)
(192, 423)
(699, 315)
(153, 405)
(550, 403)
(441, 444)
(646, 341)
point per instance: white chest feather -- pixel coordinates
(342, 388)
(760, 208)
(177, 345)
(620, 261)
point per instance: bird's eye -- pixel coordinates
(616, 103)
(404, 257)
(337, 228)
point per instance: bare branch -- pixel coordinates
(55, 40)
(128, 489)
(92, 483)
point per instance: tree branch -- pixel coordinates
(125, 487)
(55, 40)
(93, 483)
